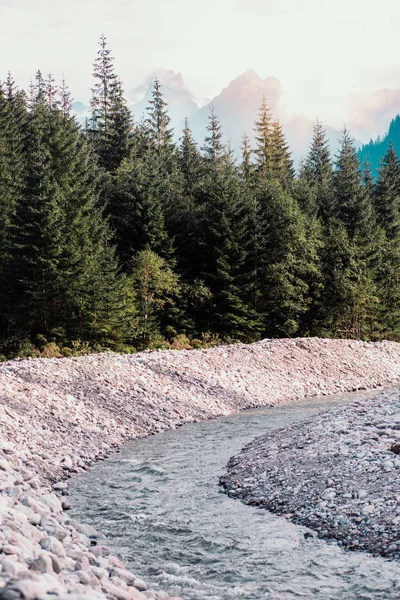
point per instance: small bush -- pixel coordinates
(181, 342)
(196, 344)
(51, 350)
(28, 350)
(80, 348)
(3, 358)
(210, 340)
(66, 352)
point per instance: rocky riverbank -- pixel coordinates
(337, 473)
(58, 416)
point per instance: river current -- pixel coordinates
(160, 506)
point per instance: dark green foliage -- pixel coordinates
(352, 204)
(317, 172)
(288, 266)
(223, 241)
(387, 193)
(158, 122)
(350, 299)
(109, 128)
(137, 211)
(117, 237)
(281, 159)
(263, 129)
(62, 278)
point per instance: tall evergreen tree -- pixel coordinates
(158, 121)
(138, 215)
(387, 193)
(247, 165)
(318, 171)
(190, 163)
(223, 244)
(352, 205)
(349, 299)
(287, 263)
(110, 126)
(214, 149)
(263, 131)
(281, 158)
(13, 117)
(64, 280)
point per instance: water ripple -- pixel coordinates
(159, 504)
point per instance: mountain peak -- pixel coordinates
(248, 76)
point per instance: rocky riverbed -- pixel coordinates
(57, 416)
(337, 473)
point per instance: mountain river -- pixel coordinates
(160, 506)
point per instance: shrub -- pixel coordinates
(196, 344)
(51, 350)
(181, 342)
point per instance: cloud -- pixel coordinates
(369, 114)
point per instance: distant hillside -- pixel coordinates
(374, 151)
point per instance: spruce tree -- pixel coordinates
(110, 125)
(387, 193)
(287, 263)
(281, 167)
(158, 122)
(263, 135)
(349, 300)
(63, 275)
(223, 245)
(246, 165)
(13, 116)
(318, 171)
(214, 149)
(189, 161)
(352, 204)
(138, 215)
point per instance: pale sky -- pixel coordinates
(321, 51)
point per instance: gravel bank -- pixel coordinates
(337, 473)
(58, 416)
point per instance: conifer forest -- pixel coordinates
(116, 236)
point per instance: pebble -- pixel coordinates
(362, 496)
(58, 416)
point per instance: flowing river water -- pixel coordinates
(159, 504)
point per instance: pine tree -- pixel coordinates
(214, 150)
(349, 299)
(281, 167)
(190, 163)
(248, 175)
(65, 99)
(158, 121)
(223, 245)
(352, 204)
(110, 125)
(387, 193)
(353, 209)
(13, 117)
(287, 263)
(263, 135)
(246, 167)
(64, 280)
(138, 215)
(318, 171)
(186, 218)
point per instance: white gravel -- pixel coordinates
(337, 472)
(59, 415)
